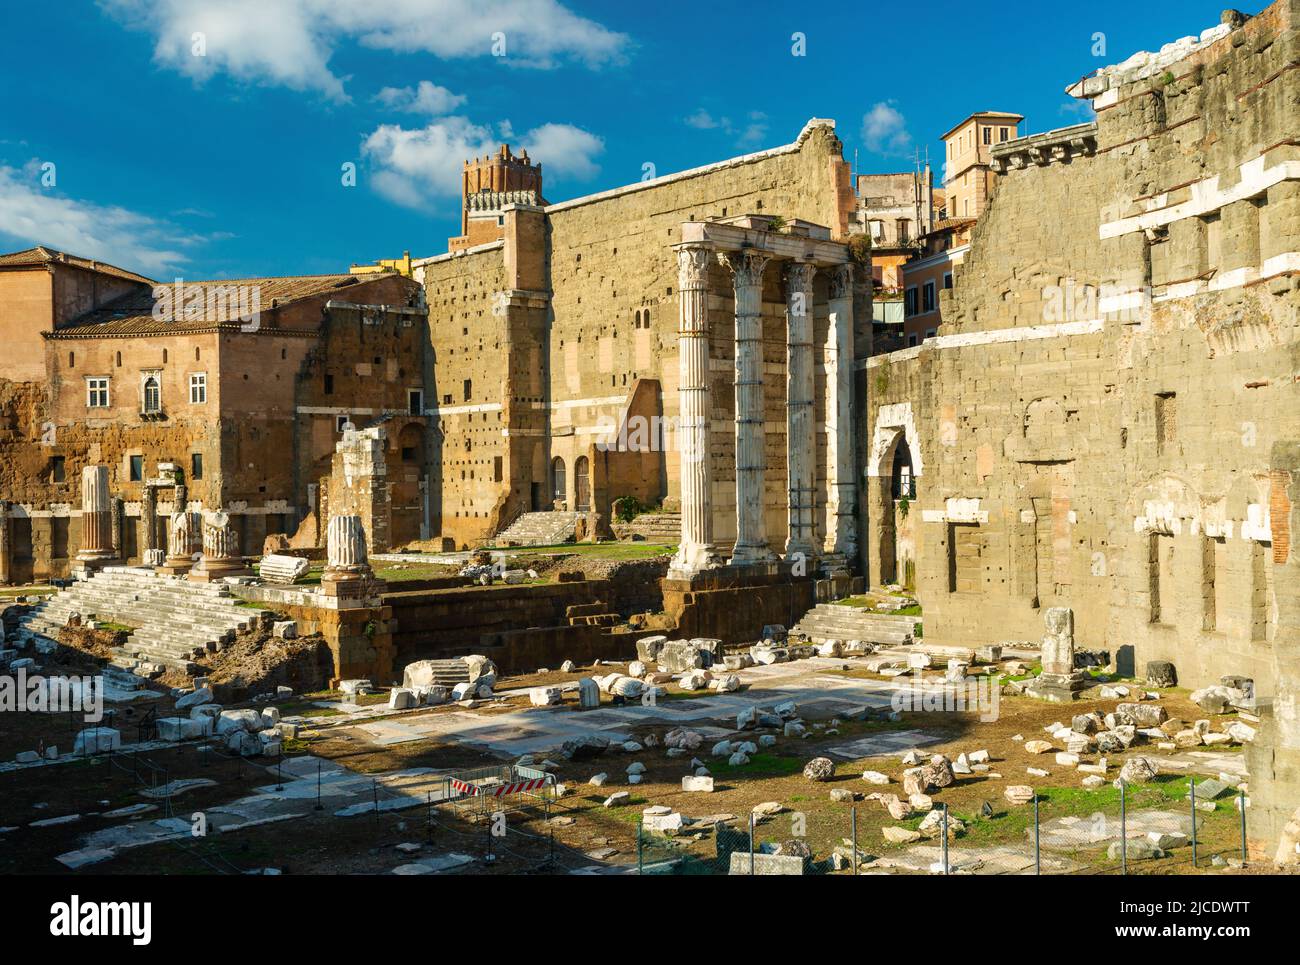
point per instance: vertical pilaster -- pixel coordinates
(800, 417)
(6, 546)
(841, 536)
(751, 458)
(696, 551)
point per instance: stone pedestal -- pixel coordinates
(184, 540)
(347, 571)
(1059, 681)
(96, 522)
(696, 551)
(221, 557)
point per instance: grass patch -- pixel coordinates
(600, 551)
(760, 765)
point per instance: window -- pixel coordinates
(988, 135)
(909, 301)
(329, 384)
(152, 395)
(196, 465)
(1003, 134)
(136, 469)
(57, 469)
(927, 300)
(468, 389)
(97, 393)
(947, 279)
(415, 401)
(911, 341)
(341, 422)
(198, 388)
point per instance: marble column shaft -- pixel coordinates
(696, 551)
(96, 515)
(801, 424)
(842, 491)
(751, 457)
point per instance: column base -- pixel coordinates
(1059, 688)
(693, 559)
(213, 571)
(173, 566)
(751, 555)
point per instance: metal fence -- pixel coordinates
(1174, 825)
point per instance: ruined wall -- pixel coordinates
(1117, 358)
(610, 320)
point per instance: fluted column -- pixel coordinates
(695, 405)
(221, 551)
(150, 553)
(751, 457)
(801, 424)
(96, 516)
(842, 533)
(184, 539)
(347, 569)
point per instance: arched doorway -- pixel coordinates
(581, 485)
(559, 492)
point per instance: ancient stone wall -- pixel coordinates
(1093, 422)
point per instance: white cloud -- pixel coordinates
(884, 130)
(33, 215)
(1080, 111)
(417, 167)
(426, 98)
(290, 42)
(565, 150)
(749, 132)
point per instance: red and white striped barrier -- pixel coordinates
(517, 787)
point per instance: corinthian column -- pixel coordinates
(696, 551)
(96, 519)
(800, 422)
(751, 459)
(841, 535)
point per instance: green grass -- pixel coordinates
(599, 551)
(11, 591)
(760, 765)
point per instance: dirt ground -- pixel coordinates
(560, 837)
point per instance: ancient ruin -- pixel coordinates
(647, 492)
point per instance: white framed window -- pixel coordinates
(198, 388)
(150, 393)
(97, 392)
(909, 301)
(927, 297)
(947, 279)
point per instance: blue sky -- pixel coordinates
(222, 156)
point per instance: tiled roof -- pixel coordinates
(40, 255)
(224, 302)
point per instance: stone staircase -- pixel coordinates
(834, 621)
(176, 621)
(653, 528)
(539, 529)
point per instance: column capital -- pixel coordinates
(692, 265)
(799, 275)
(747, 265)
(841, 281)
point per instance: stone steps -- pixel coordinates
(175, 620)
(830, 621)
(539, 529)
(653, 528)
